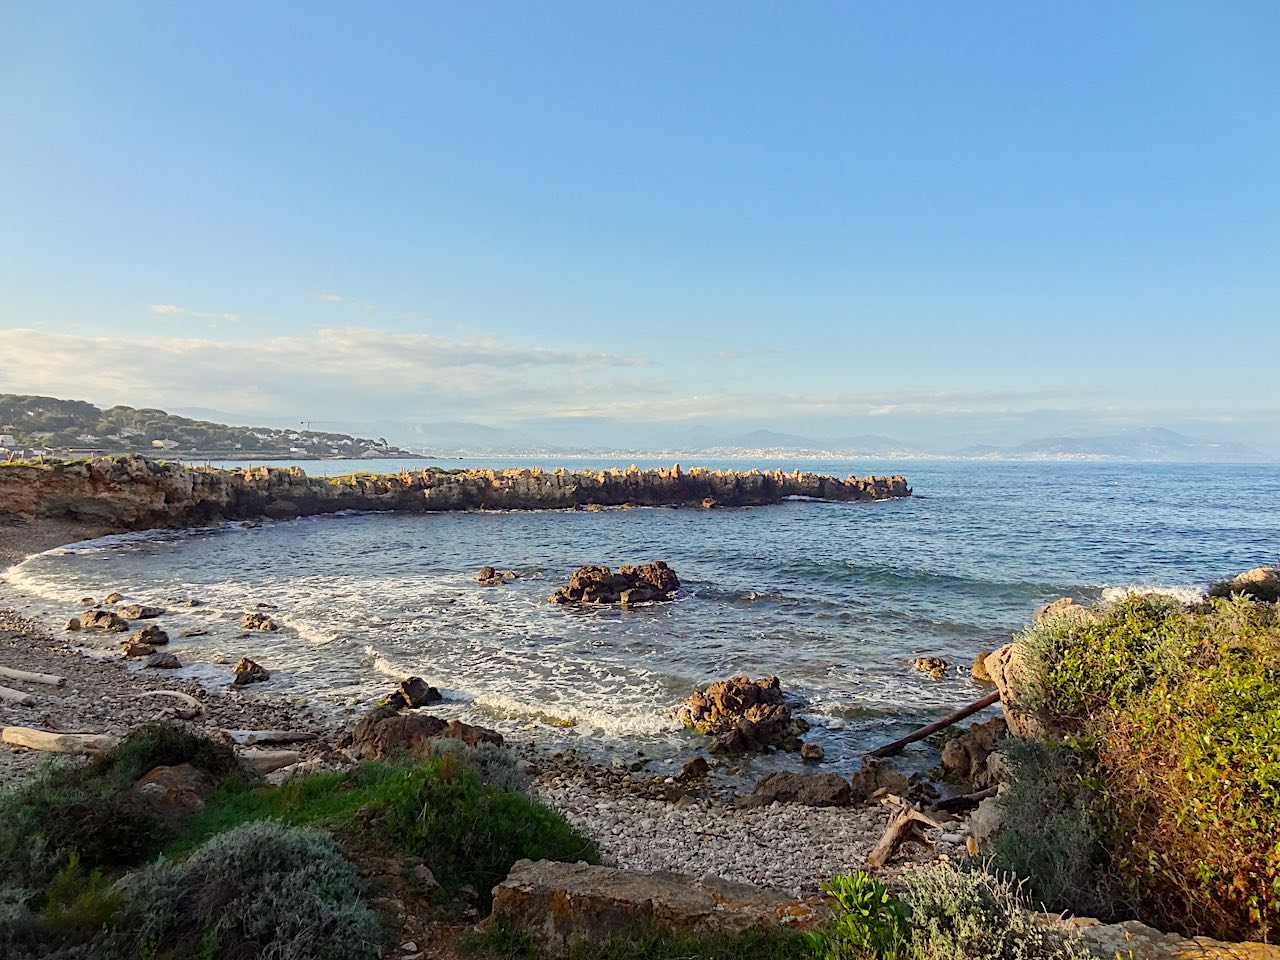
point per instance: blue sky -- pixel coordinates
(931, 219)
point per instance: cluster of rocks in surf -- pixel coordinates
(630, 585)
(135, 493)
(745, 716)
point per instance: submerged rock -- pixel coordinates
(630, 585)
(113, 597)
(137, 611)
(490, 577)
(162, 661)
(936, 667)
(560, 906)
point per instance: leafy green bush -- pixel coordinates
(1184, 708)
(869, 924)
(977, 916)
(287, 890)
(1051, 833)
(85, 810)
(467, 831)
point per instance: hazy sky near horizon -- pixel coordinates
(829, 218)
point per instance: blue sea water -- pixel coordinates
(835, 599)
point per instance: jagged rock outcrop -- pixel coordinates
(964, 756)
(1260, 583)
(135, 493)
(384, 732)
(630, 585)
(565, 905)
(806, 789)
(247, 671)
(743, 715)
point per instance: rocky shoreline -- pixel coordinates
(134, 493)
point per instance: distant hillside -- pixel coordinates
(30, 425)
(1149, 443)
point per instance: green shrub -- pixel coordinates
(84, 808)
(869, 924)
(494, 765)
(18, 925)
(1051, 833)
(977, 916)
(287, 890)
(467, 831)
(1184, 709)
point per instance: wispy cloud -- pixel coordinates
(173, 310)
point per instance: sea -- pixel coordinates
(835, 599)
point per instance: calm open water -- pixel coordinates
(833, 598)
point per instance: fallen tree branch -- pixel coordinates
(16, 696)
(249, 738)
(81, 743)
(890, 749)
(46, 678)
(964, 801)
(907, 824)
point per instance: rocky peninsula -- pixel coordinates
(136, 493)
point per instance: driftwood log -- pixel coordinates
(16, 696)
(264, 761)
(79, 743)
(964, 801)
(891, 749)
(47, 679)
(186, 698)
(250, 738)
(906, 824)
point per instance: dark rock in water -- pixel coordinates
(807, 789)
(490, 577)
(187, 634)
(246, 671)
(383, 732)
(72, 624)
(258, 621)
(133, 648)
(979, 670)
(630, 585)
(103, 620)
(136, 611)
(174, 793)
(744, 716)
(710, 503)
(413, 692)
(936, 667)
(162, 661)
(1260, 583)
(565, 906)
(964, 756)
(113, 597)
(693, 768)
(88, 602)
(152, 635)
(812, 752)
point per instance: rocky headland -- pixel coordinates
(135, 493)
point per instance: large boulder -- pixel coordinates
(964, 755)
(174, 792)
(385, 732)
(137, 611)
(1260, 583)
(630, 585)
(562, 906)
(248, 671)
(102, 620)
(1011, 673)
(806, 789)
(413, 692)
(152, 635)
(1064, 608)
(258, 621)
(1132, 938)
(874, 776)
(744, 715)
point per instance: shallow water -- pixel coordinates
(833, 598)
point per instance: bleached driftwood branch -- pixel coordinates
(82, 743)
(16, 696)
(907, 823)
(46, 678)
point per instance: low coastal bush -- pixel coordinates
(469, 832)
(1051, 833)
(1184, 710)
(504, 942)
(868, 922)
(978, 916)
(286, 891)
(84, 810)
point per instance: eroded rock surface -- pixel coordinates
(807, 789)
(384, 732)
(631, 584)
(1111, 940)
(560, 904)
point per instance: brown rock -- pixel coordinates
(102, 620)
(246, 671)
(631, 584)
(979, 669)
(812, 752)
(1260, 583)
(384, 732)
(489, 577)
(152, 635)
(694, 768)
(72, 624)
(964, 756)
(162, 661)
(113, 598)
(88, 602)
(807, 789)
(1133, 938)
(415, 692)
(710, 503)
(174, 792)
(567, 905)
(934, 666)
(743, 715)
(136, 611)
(133, 648)
(1010, 673)
(874, 776)
(258, 621)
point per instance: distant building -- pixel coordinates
(164, 444)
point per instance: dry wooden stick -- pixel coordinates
(46, 678)
(16, 696)
(907, 823)
(889, 749)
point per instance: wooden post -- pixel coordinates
(890, 749)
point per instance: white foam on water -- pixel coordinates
(1187, 596)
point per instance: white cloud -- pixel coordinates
(330, 298)
(172, 310)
